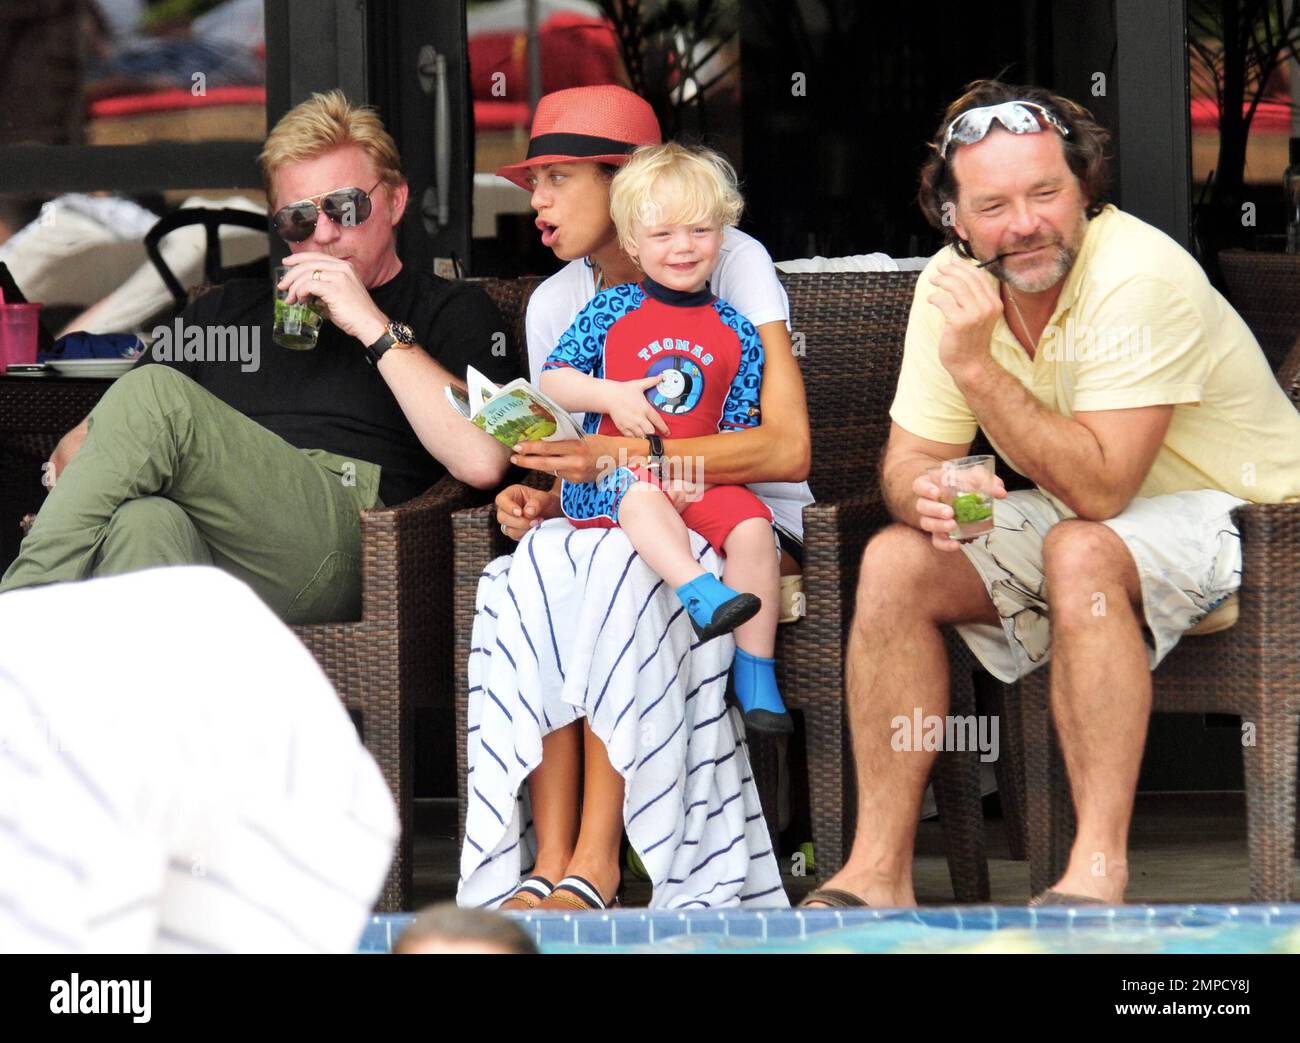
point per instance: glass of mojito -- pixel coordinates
(297, 325)
(966, 485)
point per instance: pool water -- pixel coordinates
(970, 929)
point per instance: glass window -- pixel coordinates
(144, 107)
(117, 72)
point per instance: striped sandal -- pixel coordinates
(529, 894)
(576, 892)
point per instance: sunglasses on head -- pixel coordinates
(296, 222)
(1019, 117)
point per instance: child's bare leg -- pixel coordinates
(658, 534)
(553, 790)
(752, 565)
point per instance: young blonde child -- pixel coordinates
(665, 357)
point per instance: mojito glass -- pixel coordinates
(966, 485)
(297, 325)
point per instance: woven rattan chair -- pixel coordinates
(34, 415)
(399, 655)
(1265, 290)
(396, 657)
(848, 332)
(1251, 669)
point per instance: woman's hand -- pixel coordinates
(631, 411)
(574, 459)
(521, 507)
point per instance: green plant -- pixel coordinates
(665, 46)
(1236, 47)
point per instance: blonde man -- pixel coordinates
(264, 470)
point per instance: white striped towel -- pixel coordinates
(574, 624)
(185, 781)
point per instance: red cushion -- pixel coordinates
(173, 100)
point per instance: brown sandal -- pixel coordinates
(1059, 898)
(530, 893)
(833, 898)
(578, 893)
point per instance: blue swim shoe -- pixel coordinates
(754, 681)
(714, 608)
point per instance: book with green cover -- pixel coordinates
(516, 412)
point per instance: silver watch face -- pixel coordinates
(401, 332)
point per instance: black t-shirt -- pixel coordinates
(331, 397)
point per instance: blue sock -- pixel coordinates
(754, 679)
(703, 596)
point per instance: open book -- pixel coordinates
(515, 413)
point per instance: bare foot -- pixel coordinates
(1108, 888)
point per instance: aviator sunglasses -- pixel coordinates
(344, 206)
(1016, 116)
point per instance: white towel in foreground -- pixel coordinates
(574, 624)
(183, 781)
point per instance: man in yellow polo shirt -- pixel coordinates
(1096, 357)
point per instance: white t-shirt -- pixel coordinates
(745, 278)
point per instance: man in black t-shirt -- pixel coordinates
(261, 461)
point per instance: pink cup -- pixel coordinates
(18, 327)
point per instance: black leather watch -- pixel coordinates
(656, 458)
(395, 335)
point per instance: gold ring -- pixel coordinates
(316, 274)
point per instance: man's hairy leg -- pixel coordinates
(896, 664)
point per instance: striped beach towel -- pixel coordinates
(188, 782)
(575, 625)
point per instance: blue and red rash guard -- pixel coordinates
(709, 359)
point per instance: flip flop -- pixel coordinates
(833, 898)
(531, 892)
(579, 893)
(1061, 898)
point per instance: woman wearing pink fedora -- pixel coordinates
(585, 678)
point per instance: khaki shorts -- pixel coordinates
(1188, 556)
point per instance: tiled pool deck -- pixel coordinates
(1127, 929)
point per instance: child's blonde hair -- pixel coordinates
(325, 122)
(673, 184)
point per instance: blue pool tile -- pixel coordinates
(791, 925)
(594, 930)
(944, 918)
(556, 929)
(706, 923)
(375, 937)
(631, 930)
(977, 918)
(666, 925)
(1156, 929)
(1092, 918)
(747, 926)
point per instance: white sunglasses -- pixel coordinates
(1019, 117)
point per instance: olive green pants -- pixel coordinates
(171, 475)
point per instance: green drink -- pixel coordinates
(297, 325)
(966, 486)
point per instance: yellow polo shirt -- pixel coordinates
(1137, 324)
